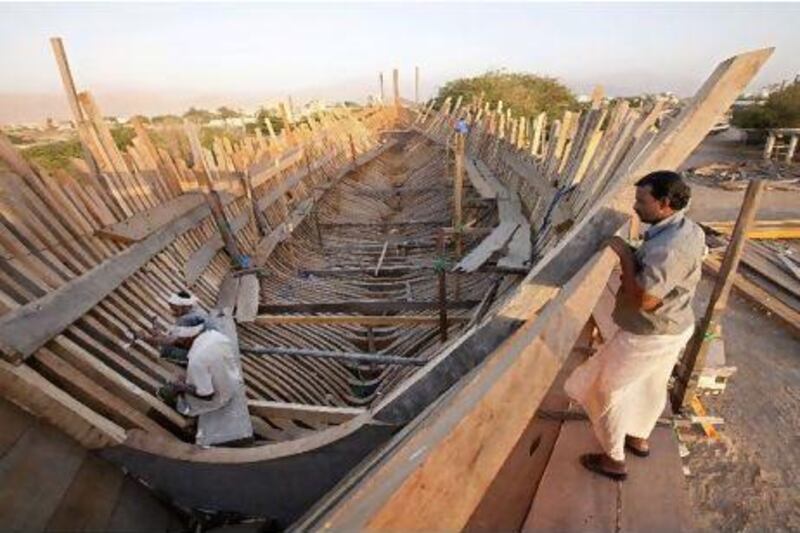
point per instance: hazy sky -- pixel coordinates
(155, 58)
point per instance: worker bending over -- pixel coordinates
(187, 312)
(213, 389)
(623, 387)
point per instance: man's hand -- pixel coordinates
(620, 247)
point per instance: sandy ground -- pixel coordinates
(750, 480)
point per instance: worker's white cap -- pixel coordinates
(182, 299)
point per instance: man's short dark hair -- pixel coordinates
(668, 184)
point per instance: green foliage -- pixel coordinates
(199, 115)
(123, 136)
(143, 119)
(54, 155)
(754, 117)
(781, 110)
(167, 120)
(274, 117)
(208, 133)
(526, 94)
(225, 112)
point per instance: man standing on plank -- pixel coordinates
(623, 387)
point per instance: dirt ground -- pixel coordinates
(750, 480)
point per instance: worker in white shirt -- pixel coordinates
(213, 390)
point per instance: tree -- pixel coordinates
(526, 94)
(275, 119)
(199, 115)
(781, 110)
(226, 113)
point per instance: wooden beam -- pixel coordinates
(212, 196)
(762, 229)
(758, 296)
(694, 357)
(358, 320)
(351, 357)
(370, 307)
(28, 389)
(29, 327)
(324, 414)
(144, 223)
(72, 98)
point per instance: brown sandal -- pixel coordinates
(594, 462)
(639, 452)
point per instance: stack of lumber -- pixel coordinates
(769, 273)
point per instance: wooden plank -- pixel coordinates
(362, 306)
(34, 477)
(90, 499)
(655, 497)
(198, 262)
(363, 320)
(72, 98)
(145, 223)
(762, 229)
(29, 327)
(247, 298)
(494, 242)
(267, 244)
(755, 294)
(570, 498)
(15, 422)
(136, 505)
(307, 413)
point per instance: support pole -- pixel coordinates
(769, 146)
(792, 147)
(416, 85)
(696, 351)
(396, 84)
(74, 105)
(212, 196)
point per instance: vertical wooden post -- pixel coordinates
(212, 196)
(416, 85)
(695, 354)
(258, 216)
(769, 146)
(353, 156)
(396, 85)
(72, 97)
(792, 147)
(441, 273)
(383, 95)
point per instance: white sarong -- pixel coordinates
(623, 387)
